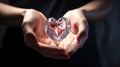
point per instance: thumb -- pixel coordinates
(29, 36)
(82, 35)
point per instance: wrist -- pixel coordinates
(22, 12)
(82, 13)
(86, 14)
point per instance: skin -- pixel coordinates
(33, 27)
(12, 16)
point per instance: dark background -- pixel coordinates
(15, 52)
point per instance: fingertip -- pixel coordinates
(75, 29)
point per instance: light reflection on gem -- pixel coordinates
(57, 29)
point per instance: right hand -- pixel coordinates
(78, 34)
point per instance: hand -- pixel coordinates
(78, 34)
(35, 36)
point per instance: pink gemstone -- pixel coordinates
(57, 29)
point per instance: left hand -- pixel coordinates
(35, 36)
(78, 34)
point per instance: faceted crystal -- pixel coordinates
(57, 29)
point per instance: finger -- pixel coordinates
(48, 48)
(50, 51)
(75, 45)
(67, 41)
(82, 41)
(29, 35)
(30, 39)
(83, 29)
(27, 28)
(54, 52)
(82, 36)
(74, 28)
(72, 48)
(79, 40)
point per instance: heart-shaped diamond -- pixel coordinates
(57, 29)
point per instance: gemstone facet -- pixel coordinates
(57, 29)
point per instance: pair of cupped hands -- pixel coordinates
(36, 38)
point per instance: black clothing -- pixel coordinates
(16, 52)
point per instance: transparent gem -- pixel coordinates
(57, 29)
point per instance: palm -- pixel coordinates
(35, 36)
(78, 33)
